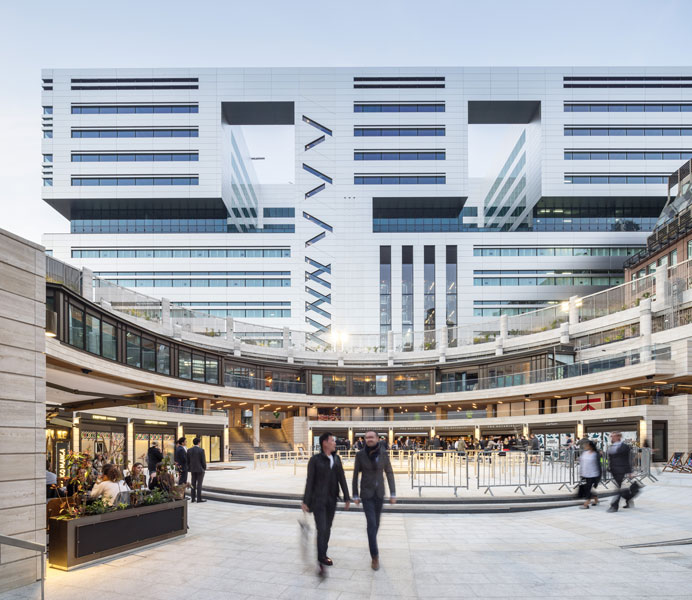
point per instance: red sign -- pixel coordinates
(586, 402)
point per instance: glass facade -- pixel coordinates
(385, 294)
(451, 295)
(407, 297)
(429, 297)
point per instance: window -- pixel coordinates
(93, 334)
(370, 385)
(397, 131)
(130, 133)
(451, 295)
(427, 179)
(47, 134)
(109, 341)
(385, 294)
(279, 212)
(111, 181)
(429, 297)
(47, 158)
(627, 131)
(133, 347)
(198, 367)
(148, 354)
(136, 157)
(47, 110)
(412, 383)
(413, 107)
(47, 182)
(184, 364)
(404, 155)
(76, 327)
(132, 109)
(212, 370)
(407, 298)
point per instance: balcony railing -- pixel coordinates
(63, 274)
(184, 410)
(260, 384)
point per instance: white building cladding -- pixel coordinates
(381, 227)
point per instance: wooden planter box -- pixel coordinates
(79, 541)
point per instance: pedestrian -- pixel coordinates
(620, 466)
(590, 471)
(197, 465)
(325, 477)
(372, 463)
(154, 457)
(181, 461)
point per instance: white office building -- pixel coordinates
(339, 200)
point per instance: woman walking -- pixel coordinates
(590, 471)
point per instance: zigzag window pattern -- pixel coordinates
(317, 173)
(316, 221)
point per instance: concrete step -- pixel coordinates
(476, 505)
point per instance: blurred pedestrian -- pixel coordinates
(372, 463)
(590, 471)
(325, 477)
(620, 466)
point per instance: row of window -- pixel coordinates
(628, 131)
(397, 131)
(594, 224)
(279, 212)
(497, 312)
(131, 133)
(151, 226)
(136, 157)
(232, 304)
(136, 109)
(420, 107)
(276, 228)
(110, 181)
(629, 155)
(420, 225)
(407, 155)
(191, 273)
(514, 281)
(185, 253)
(333, 384)
(249, 313)
(186, 283)
(546, 271)
(556, 251)
(399, 179)
(628, 179)
(628, 107)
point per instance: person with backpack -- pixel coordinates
(590, 471)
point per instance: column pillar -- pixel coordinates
(440, 413)
(75, 433)
(504, 327)
(390, 415)
(226, 442)
(350, 436)
(88, 284)
(302, 410)
(166, 314)
(391, 437)
(573, 310)
(645, 327)
(477, 432)
(564, 333)
(256, 425)
(662, 287)
(130, 444)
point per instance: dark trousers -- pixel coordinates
(589, 484)
(182, 478)
(372, 507)
(324, 516)
(617, 478)
(196, 492)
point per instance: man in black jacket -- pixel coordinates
(181, 460)
(620, 465)
(197, 465)
(372, 462)
(154, 457)
(325, 476)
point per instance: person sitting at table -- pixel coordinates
(80, 483)
(162, 480)
(136, 480)
(111, 485)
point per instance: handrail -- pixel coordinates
(25, 545)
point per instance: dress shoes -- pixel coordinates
(328, 562)
(375, 564)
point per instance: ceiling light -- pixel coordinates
(622, 387)
(193, 398)
(242, 404)
(500, 402)
(661, 382)
(51, 334)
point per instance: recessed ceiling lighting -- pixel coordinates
(622, 387)
(661, 382)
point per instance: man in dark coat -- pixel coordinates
(154, 457)
(197, 465)
(372, 463)
(620, 465)
(325, 476)
(181, 460)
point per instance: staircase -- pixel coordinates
(273, 440)
(240, 444)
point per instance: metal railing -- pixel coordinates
(31, 546)
(517, 469)
(63, 274)
(616, 299)
(181, 410)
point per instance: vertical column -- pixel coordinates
(391, 437)
(166, 313)
(302, 411)
(88, 284)
(390, 414)
(385, 296)
(662, 287)
(573, 310)
(477, 432)
(350, 436)
(407, 298)
(75, 432)
(226, 442)
(130, 442)
(256, 425)
(429, 297)
(451, 296)
(645, 328)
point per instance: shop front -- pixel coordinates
(105, 436)
(211, 440)
(599, 430)
(147, 433)
(58, 447)
(554, 436)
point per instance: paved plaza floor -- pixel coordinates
(235, 551)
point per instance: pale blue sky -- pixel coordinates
(202, 33)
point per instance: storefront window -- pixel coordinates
(109, 443)
(133, 345)
(148, 354)
(76, 327)
(144, 440)
(109, 343)
(414, 383)
(184, 364)
(93, 334)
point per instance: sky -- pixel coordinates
(282, 33)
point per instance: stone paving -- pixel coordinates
(234, 551)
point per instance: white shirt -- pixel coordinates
(588, 464)
(331, 461)
(109, 490)
(51, 478)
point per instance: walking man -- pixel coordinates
(325, 476)
(620, 465)
(181, 460)
(371, 463)
(197, 465)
